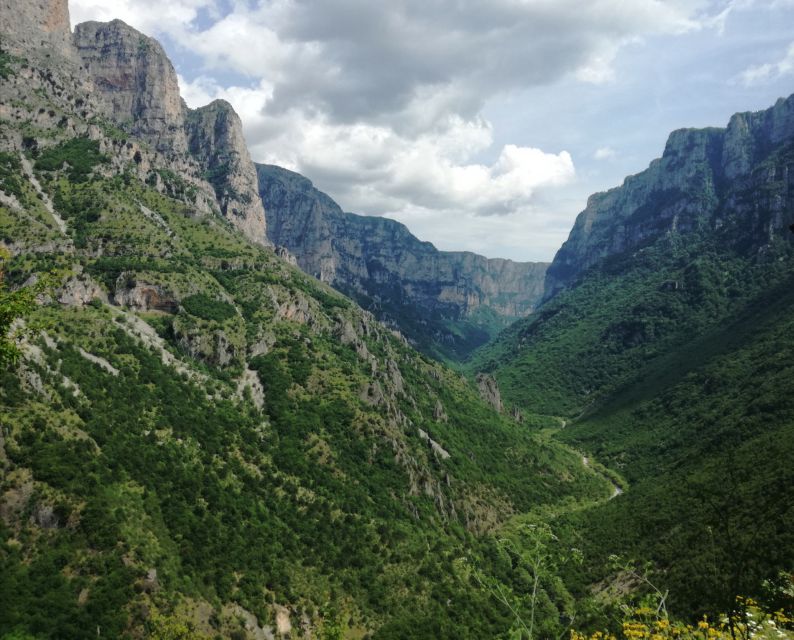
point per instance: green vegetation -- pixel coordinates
(11, 180)
(7, 62)
(677, 361)
(207, 308)
(250, 446)
(326, 500)
(78, 155)
(13, 306)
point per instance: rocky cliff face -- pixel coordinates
(380, 260)
(215, 138)
(137, 81)
(707, 179)
(109, 73)
(36, 24)
(140, 92)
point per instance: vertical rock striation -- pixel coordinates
(738, 177)
(136, 80)
(215, 139)
(36, 24)
(140, 92)
(402, 279)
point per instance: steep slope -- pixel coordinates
(446, 303)
(706, 179)
(138, 91)
(667, 339)
(201, 440)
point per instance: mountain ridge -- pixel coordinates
(686, 189)
(382, 265)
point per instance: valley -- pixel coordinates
(230, 409)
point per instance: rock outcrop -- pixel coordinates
(137, 81)
(707, 179)
(36, 24)
(489, 391)
(139, 91)
(379, 262)
(215, 138)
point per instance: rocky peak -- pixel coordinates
(706, 179)
(382, 264)
(139, 91)
(136, 80)
(36, 24)
(215, 138)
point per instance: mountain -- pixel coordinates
(110, 77)
(198, 439)
(446, 303)
(666, 339)
(707, 179)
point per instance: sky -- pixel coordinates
(483, 125)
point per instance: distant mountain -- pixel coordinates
(734, 182)
(199, 440)
(447, 303)
(667, 341)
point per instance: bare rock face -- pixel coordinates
(140, 92)
(387, 269)
(489, 391)
(137, 81)
(142, 296)
(740, 177)
(372, 254)
(36, 24)
(80, 291)
(215, 138)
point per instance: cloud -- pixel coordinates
(358, 60)
(770, 71)
(604, 153)
(150, 16)
(381, 104)
(372, 168)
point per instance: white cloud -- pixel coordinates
(150, 16)
(604, 153)
(770, 71)
(381, 104)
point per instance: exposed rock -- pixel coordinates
(372, 393)
(36, 24)
(283, 623)
(297, 309)
(436, 448)
(284, 254)
(707, 179)
(439, 415)
(138, 89)
(215, 138)
(99, 361)
(80, 291)
(250, 380)
(137, 81)
(213, 347)
(45, 517)
(142, 296)
(379, 260)
(489, 391)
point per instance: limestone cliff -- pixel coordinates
(36, 24)
(378, 261)
(706, 179)
(137, 81)
(139, 91)
(215, 138)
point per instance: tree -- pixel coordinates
(13, 305)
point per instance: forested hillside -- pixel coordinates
(671, 355)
